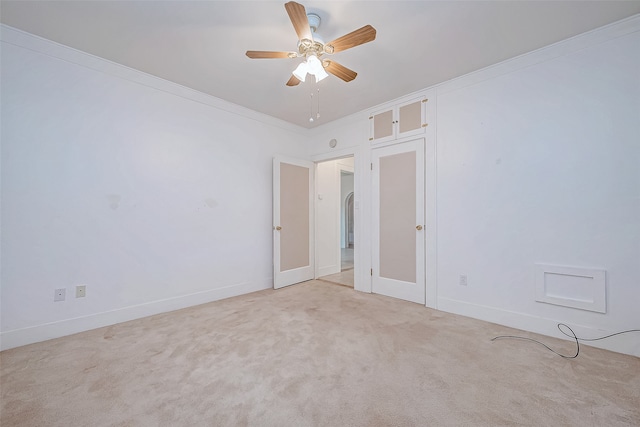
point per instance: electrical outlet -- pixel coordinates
(81, 291)
(463, 280)
(59, 295)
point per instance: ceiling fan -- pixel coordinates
(312, 48)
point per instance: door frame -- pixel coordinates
(431, 209)
(361, 282)
(363, 212)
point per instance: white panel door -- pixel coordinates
(293, 244)
(399, 221)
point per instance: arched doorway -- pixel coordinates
(348, 220)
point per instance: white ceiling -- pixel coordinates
(202, 44)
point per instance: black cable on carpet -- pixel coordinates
(570, 335)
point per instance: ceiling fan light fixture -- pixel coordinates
(311, 47)
(316, 68)
(320, 75)
(311, 66)
(301, 71)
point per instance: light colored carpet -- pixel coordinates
(313, 354)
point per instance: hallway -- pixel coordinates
(345, 277)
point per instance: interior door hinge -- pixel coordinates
(372, 271)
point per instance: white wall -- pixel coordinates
(542, 165)
(121, 182)
(538, 161)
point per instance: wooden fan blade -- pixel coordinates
(293, 81)
(339, 71)
(298, 16)
(265, 54)
(355, 38)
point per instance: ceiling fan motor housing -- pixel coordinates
(316, 46)
(314, 21)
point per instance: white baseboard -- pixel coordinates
(626, 344)
(47, 331)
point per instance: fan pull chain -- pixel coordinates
(318, 111)
(311, 109)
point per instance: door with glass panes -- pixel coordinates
(293, 245)
(398, 221)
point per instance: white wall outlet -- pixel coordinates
(81, 291)
(463, 280)
(59, 294)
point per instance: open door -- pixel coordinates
(399, 221)
(293, 244)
